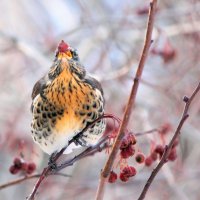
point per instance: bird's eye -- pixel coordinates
(75, 55)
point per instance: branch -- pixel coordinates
(108, 166)
(146, 132)
(168, 148)
(88, 152)
(19, 180)
(25, 178)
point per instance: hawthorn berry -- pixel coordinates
(128, 140)
(124, 143)
(131, 139)
(127, 152)
(172, 155)
(168, 53)
(31, 168)
(148, 161)
(154, 156)
(159, 149)
(123, 177)
(24, 166)
(17, 163)
(140, 158)
(112, 177)
(124, 154)
(13, 169)
(129, 171)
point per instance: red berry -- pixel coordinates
(124, 153)
(129, 171)
(123, 177)
(124, 143)
(127, 152)
(113, 177)
(24, 166)
(63, 47)
(13, 169)
(31, 168)
(131, 139)
(172, 155)
(168, 53)
(128, 139)
(148, 161)
(140, 158)
(154, 156)
(165, 128)
(17, 163)
(131, 150)
(159, 149)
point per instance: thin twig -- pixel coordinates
(108, 166)
(19, 180)
(25, 178)
(88, 152)
(168, 148)
(146, 132)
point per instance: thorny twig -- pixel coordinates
(168, 147)
(122, 130)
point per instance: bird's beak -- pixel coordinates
(67, 54)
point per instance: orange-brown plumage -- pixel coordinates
(64, 102)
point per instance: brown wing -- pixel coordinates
(38, 87)
(94, 83)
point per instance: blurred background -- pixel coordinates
(109, 38)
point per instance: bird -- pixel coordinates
(65, 101)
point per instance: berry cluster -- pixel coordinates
(19, 165)
(127, 148)
(127, 172)
(124, 176)
(158, 152)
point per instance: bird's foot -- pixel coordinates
(52, 163)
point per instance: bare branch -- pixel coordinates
(25, 178)
(146, 132)
(168, 148)
(108, 166)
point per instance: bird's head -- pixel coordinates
(65, 51)
(66, 60)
